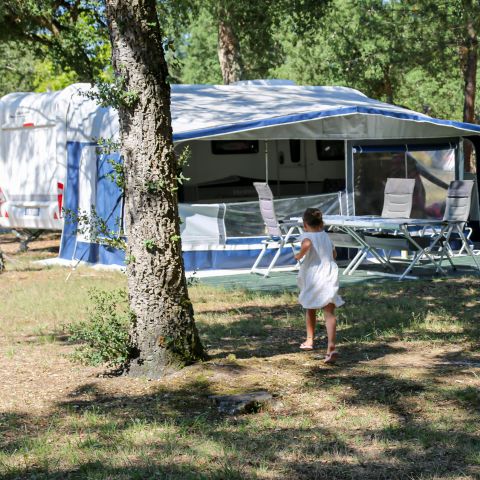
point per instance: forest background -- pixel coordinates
(419, 54)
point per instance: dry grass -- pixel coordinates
(402, 403)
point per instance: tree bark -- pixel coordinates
(228, 51)
(470, 53)
(164, 337)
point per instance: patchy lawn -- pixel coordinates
(403, 401)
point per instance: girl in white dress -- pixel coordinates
(318, 280)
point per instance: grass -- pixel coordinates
(402, 403)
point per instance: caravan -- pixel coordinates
(308, 143)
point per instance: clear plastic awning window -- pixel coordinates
(432, 170)
(214, 224)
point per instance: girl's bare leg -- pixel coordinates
(331, 325)
(311, 321)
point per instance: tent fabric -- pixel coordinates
(249, 110)
(301, 112)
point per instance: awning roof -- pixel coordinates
(265, 110)
(289, 111)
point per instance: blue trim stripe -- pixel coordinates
(419, 147)
(306, 116)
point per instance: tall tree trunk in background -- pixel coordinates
(228, 51)
(387, 83)
(469, 61)
(164, 335)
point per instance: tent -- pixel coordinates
(257, 118)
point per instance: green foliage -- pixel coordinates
(197, 52)
(154, 187)
(48, 76)
(400, 52)
(150, 245)
(107, 146)
(70, 34)
(17, 65)
(118, 174)
(113, 94)
(104, 336)
(96, 228)
(184, 157)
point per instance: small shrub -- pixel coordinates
(104, 337)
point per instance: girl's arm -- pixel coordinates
(334, 253)
(304, 248)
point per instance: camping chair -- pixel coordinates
(345, 203)
(457, 211)
(280, 233)
(398, 198)
(344, 240)
(397, 203)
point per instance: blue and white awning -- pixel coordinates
(275, 111)
(265, 110)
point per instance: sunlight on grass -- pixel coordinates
(402, 402)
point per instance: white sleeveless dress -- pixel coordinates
(318, 275)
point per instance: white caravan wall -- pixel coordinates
(32, 158)
(205, 166)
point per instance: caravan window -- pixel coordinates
(295, 151)
(330, 150)
(234, 147)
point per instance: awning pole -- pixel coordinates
(349, 179)
(266, 161)
(459, 161)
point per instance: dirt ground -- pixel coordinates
(402, 402)
(47, 245)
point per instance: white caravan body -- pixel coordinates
(34, 131)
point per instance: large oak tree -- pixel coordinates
(164, 335)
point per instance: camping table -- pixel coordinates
(398, 236)
(362, 230)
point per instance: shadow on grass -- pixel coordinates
(175, 433)
(422, 446)
(440, 311)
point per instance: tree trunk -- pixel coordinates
(2, 262)
(164, 336)
(470, 52)
(387, 84)
(228, 52)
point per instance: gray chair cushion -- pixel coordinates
(267, 209)
(398, 197)
(459, 197)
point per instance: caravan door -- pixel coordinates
(31, 182)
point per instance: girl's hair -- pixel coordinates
(313, 217)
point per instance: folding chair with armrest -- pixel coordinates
(398, 198)
(457, 211)
(280, 233)
(397, 203)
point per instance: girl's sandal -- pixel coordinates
(331, 357)
(304, 345)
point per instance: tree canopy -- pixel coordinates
(417, 53)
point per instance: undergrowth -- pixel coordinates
(104, 337)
